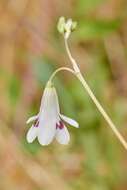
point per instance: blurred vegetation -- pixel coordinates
(30, 50)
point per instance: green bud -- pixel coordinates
(61, 25)
(74, 25)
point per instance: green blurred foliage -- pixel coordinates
(85, 6)
(95, 29)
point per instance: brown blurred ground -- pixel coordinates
(27, 30)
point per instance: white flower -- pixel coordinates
(48, 123)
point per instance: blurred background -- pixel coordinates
(30, 50)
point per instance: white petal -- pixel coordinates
(69, 121)
(44, 98)
(63, 136)
(45, 135)
(33, 118)
(32, 134)
(47, 130)
(52, 102)
(49, 102)
(48, 117)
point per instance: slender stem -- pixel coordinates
(60, 69)
(74, 64)
(94, 99)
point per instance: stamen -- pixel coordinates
(60, 125)
(57, 125)
(36, 123)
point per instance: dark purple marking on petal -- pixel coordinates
(36, 123)
(60, 125)
(57, 125)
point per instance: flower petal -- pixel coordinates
(48, 117)
(31, 134)
(49, 102)
(69, 121)
(63, 136)
(45, 135)
(33, 118)
(47, 129)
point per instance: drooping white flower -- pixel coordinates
(48, 123)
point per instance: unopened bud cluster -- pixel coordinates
(65, 27)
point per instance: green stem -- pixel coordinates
(94, 99)
(58, 70)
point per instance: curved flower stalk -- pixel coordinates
(48, 123)
(65, 28)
